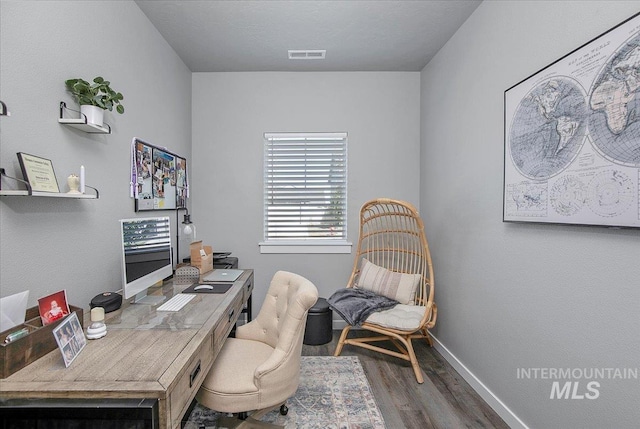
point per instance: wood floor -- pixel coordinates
(444, 400)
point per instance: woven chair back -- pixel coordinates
(392, 236)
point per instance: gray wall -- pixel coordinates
(514, 295)
(50, 244)
(232, 111)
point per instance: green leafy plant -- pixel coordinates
(97, 94)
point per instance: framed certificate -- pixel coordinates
(38, 172)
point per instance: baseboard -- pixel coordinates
(487, 395)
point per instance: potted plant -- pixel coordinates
(95, 98)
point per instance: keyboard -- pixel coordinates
(176, 303)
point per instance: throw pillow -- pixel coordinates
(393, 285)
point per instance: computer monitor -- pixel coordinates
(146, 256)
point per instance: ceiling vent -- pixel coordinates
(316, 54)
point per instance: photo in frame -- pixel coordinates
(181, 182)
(38, 172)
(159, 178)
(53, 307)
(70, 338)
(572, 136)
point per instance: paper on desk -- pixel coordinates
(13, 309)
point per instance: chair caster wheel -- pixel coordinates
(284, 410)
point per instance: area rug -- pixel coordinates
(333, 394)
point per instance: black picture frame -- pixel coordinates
(159, 177)
(182, 188)
(38, 172)
(572, 136)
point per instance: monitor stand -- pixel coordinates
(143, 298)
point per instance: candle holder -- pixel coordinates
(97, 329)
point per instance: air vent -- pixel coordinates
(317, 54)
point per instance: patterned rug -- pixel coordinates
(333, 394)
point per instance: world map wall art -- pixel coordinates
(572, 136)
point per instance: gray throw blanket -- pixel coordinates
(355, 305)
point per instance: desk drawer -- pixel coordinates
(226, 323)
(248, 290)
(190, 381)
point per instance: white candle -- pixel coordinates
(82, 179)
(97, 314)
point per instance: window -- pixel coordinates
(305, 193)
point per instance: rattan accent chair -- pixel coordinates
(392, 236)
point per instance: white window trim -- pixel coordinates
(309, 136)
(306, 246)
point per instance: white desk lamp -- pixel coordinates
(186, 232)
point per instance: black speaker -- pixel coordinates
(110, 301)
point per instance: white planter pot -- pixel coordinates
(94, 114)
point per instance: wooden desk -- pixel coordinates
(162, 356)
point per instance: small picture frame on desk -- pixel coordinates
(70, 338)
(53, 307)
(38, 172)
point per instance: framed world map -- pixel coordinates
(572, 136)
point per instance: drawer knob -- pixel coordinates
(194, 374)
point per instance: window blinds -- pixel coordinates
(305, 186)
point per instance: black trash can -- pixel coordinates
(319, 328)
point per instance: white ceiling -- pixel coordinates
(358, 35)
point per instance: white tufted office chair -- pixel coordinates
(259, 369)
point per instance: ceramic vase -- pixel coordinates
(73, 182)
(94, 114)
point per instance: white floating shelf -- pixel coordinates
(81, 123)
(25, 193)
